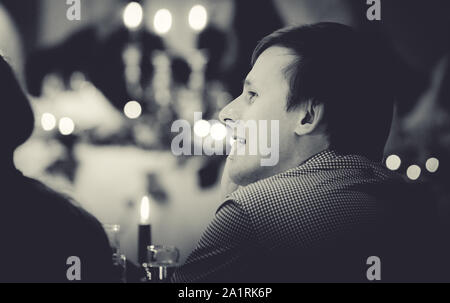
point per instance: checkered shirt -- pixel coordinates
(301, 225)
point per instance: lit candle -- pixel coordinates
(145, 234)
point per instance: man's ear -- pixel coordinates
(310, 116)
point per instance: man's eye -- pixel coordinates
(252, 96)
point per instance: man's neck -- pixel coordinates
(306, 153)
(301, 155)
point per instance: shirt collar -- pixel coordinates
(322, 160)
(324, 155)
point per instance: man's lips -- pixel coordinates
(237, 143)
(238, 140)
(234, 132)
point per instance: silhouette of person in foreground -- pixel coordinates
(39, 228)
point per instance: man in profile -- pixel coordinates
(40, 229)
(328, 204)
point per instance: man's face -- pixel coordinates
(263, 99)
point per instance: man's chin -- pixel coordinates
(243, 173)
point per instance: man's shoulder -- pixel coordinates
(307, 194)
(320, 180)
(310, 201)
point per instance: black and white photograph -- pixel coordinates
(205, 143)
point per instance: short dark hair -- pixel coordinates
(347, 72)
(16, 119)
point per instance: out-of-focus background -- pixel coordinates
(106, 88)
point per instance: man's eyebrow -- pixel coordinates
(247, 82)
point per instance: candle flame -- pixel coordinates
(145, 209)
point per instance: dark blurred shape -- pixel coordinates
(214, 42)
(253, 20)
(208, 175)
(101, 60)
(444, 91)
(135, 273)
(24, 15)
(420, 32)
(181, 71)
(67, 166)
(414, 242)
(17, 122)
(156, 189)
(407, 83)
(39, 228)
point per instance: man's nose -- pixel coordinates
(229, 114)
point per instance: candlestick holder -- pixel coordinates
(119, 260)
(162, 263)
(144, 240)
